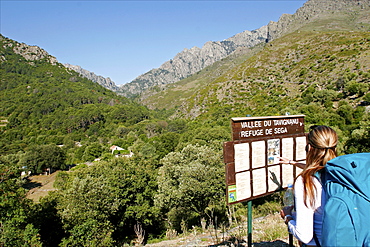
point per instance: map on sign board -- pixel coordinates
(273, 149)
(252, 158)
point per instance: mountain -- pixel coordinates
(42, 101)
(105, 82)
(190, 61)
(32, 53)
(28, 52)
(330, 49)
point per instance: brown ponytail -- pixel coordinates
(322, 142)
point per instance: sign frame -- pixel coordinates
(251, 163)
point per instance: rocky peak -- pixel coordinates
(29, 52)
(105, 82)
(190, 61)
(253, 37)
(310, 11)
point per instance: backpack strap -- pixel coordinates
(318, 175)
(316, 239)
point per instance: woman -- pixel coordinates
(309, 196)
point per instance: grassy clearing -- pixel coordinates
(39, 186)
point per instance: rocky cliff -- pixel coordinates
(105, 82)
(33, 53)
(190, 61)
(312, 10)
(29, 52)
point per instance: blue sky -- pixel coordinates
(123, 39)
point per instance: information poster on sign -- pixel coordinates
(252, 158)
(259, 181)
(258, 154)
(241, 157)
(301, 148)
(243, 185)
(287, 150)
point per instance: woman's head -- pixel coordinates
(321, 147)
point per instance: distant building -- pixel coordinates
(114, 148)
(128, 155)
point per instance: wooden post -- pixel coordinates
(291, 240)
(250, 224)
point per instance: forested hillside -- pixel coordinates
(42, 103)
(53, 119)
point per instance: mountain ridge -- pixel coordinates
(29, 52)
(33, 53)
(105, 82)
(190, 61)
(213, 87)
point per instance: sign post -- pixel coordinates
(251, 159)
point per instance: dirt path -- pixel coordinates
(226, 239)
(40, 185)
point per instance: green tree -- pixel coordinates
(189, 182)
(85, 207)
(367, 98)
(92, 151)
(16, 225)
(165, 143)
(205, 135)
(358, 141)
(177, 125)
(46, 219)
(100, 204)
(353, 87)
(346, 112)
(39, 158)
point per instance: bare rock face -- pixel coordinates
(30, 53)
(33, 53)
(250, 38)
(310, 11)
(190, 61)
(105, 82)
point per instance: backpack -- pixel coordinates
(346, 218)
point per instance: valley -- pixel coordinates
(315, 63)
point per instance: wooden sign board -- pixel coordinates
(251, 159)
(258, 127)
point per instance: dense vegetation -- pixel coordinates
(52, 118)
